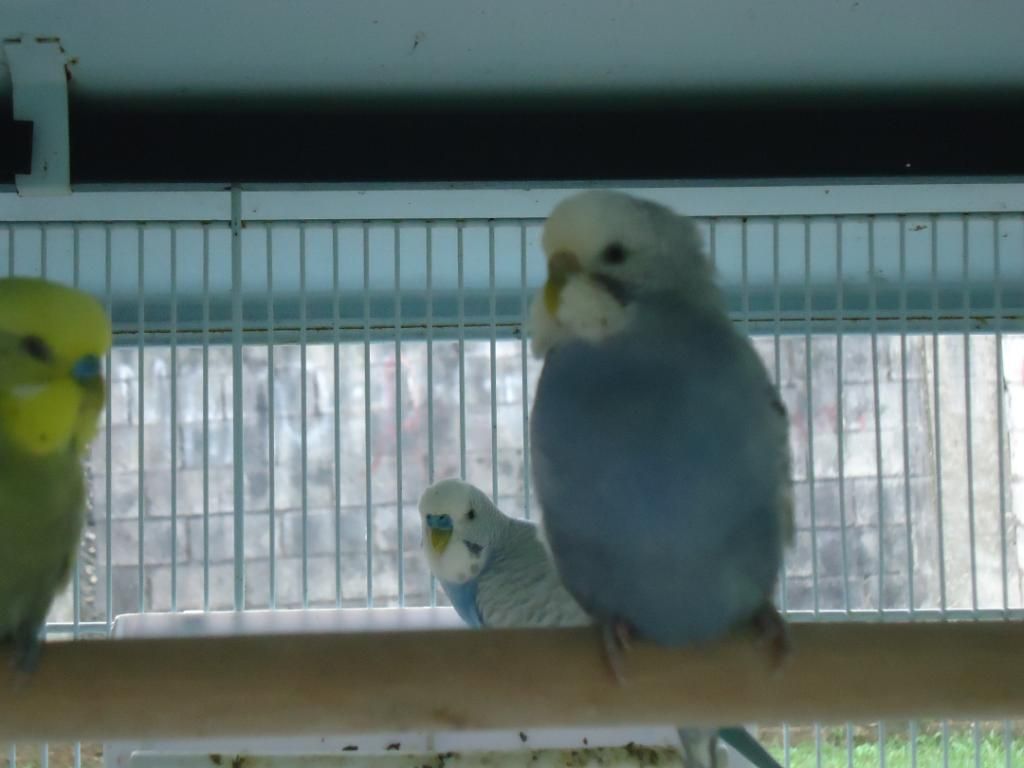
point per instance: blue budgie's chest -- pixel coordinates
(654, 457)
(672, 422)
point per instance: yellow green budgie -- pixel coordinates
(52, 339)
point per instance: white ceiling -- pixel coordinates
(316, 48)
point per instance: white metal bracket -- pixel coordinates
(40, 90)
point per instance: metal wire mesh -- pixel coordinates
(282, 389)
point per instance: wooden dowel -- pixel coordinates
(451, 680)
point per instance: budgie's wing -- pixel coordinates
(785, 457)
(521, 588)
(464, 600)
(42, 505)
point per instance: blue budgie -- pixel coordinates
(659, 445)
(497, 573)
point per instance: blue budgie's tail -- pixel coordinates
(741, 740)
(700, 748)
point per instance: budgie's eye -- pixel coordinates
(36, 348)
(471, 514)
(613, 254)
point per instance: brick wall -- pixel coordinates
(876, 537)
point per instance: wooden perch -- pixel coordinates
(452, 680)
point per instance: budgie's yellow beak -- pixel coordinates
(52, 339)
(561, 266)
(441, 528)
(439, 540)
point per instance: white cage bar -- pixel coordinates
(293, 366)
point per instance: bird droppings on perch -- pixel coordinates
(373, 682)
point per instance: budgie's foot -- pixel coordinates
(25, 652)
(27, 647)
(623, 635)
(618, 639)
(26, 659)
(773, 633)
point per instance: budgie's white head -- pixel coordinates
(606, 251)
(460, 523)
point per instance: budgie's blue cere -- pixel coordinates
(659, 446)
(497, 573)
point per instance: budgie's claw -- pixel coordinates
(623, 635)
(618, 639)
(773, 633)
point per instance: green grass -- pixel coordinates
(60, 756)
(930, 752)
